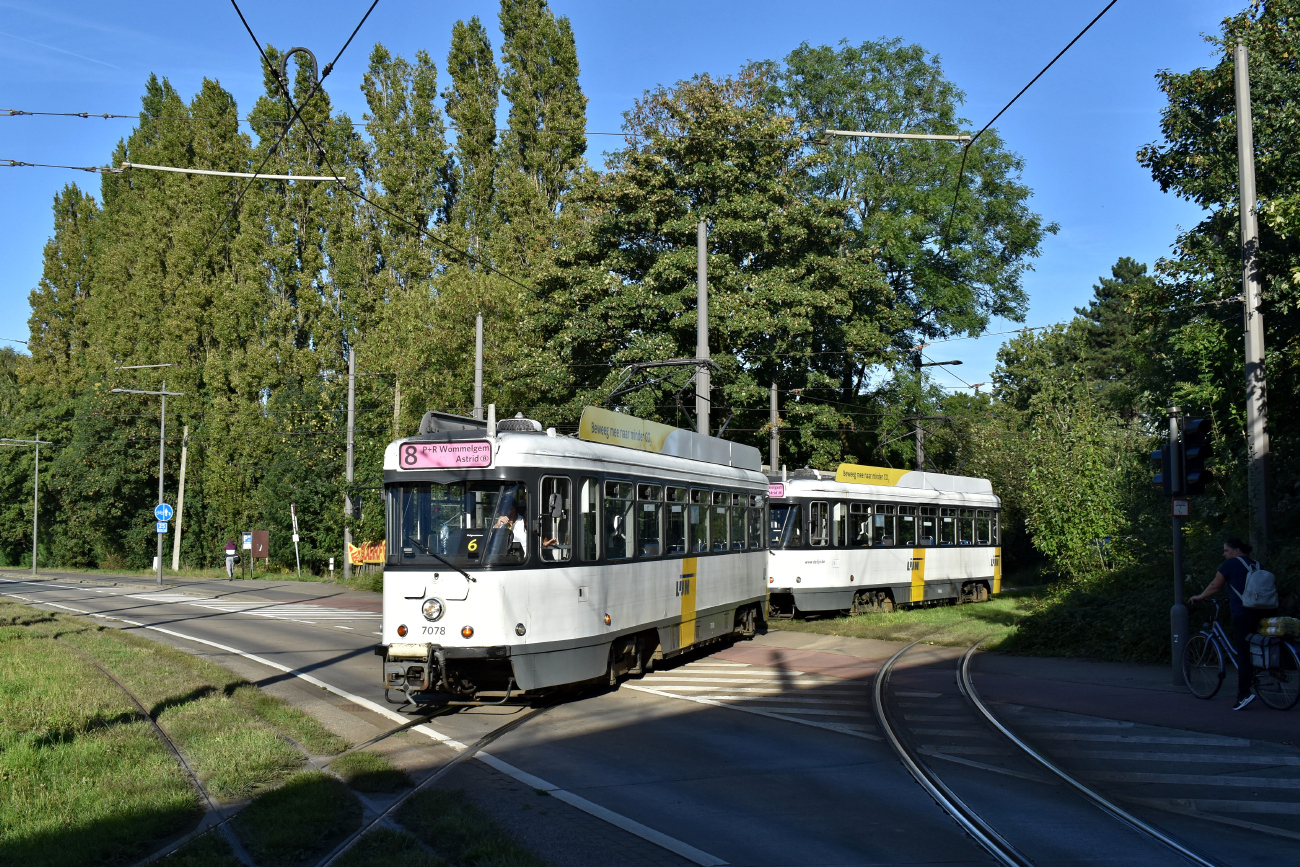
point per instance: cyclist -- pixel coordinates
(1236, 566)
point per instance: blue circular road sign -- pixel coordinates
(162, 512)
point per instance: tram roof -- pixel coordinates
(855, 478)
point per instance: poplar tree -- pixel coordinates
(542, 152)
(471, 102)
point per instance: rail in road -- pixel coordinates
(726, 761)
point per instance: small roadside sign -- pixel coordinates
(1181, 508)
(162, 512)
(248, 541)
(162, 527)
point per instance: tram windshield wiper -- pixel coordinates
(417, 543)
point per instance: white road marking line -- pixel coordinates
(1082, 723)
(1194, 779)
(1205, 758)
(971, 751)
(1147, 739)
(756, 712)
(911, 693)
(633, 827)
(274, 610)
(766, 690)
(791, 700)
(951, 733)
(1285, 808)
(795, 710)
(930, 751)
(340, 627)
(64, 607)
(917, 717)
(735, 680)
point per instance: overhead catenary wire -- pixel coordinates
(961, 172)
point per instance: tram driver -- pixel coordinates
(512, 517)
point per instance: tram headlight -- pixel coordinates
(432, 609)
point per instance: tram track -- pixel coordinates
(993, 834)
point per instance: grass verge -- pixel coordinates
(369, 772)
(84, 780)
(299, 822)
(954, 625)
(460, 832)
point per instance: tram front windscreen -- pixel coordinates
(462, 524)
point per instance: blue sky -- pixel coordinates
(1078, 128)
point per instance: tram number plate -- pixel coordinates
(434, 630)
(422, 456)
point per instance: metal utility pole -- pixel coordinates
(920, 384)
(920, 446)
(1256, 387)
(162, 512)
(774, 444)
(1179, 623)
(478, 367)
(36, 488)
(180, 501)
(702, 391)
(347, 497)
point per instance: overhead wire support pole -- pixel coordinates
(774, 441)
(352, 429)
(478, 367)
(1253, 320)
(702, 383)
(1179, 621)
(36, 488)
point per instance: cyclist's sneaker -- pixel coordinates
(1241, 705)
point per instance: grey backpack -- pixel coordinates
(1261, 587)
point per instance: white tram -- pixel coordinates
(519, 560)
(871, 538)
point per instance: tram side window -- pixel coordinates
(699, 521)
(619, 533)
(947, 526)
(739, 505)
(839, 525)
(649, 520)
(966, 527)
(928, 528)
(906, 526)
(556, 544)
(859, 525)
(784, 526)
(983, 527)
(819, 524)
(755, 521)
(719, 518)
(678, 504)
(589, 503)
(884, 531)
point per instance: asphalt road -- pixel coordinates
(800, 777)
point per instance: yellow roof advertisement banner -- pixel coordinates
(616, 429)
(860, 475)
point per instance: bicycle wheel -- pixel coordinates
(1280, 687)
(1202, 666)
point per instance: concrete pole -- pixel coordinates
(920, 446)
(180, 501)
(36, 500)
(347, 497)
(774, 444)
(1179, 623)
(478, 367)
(702, 390)
(1256, 387)
(162, 442)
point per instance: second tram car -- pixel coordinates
(519, 560)
(871, 538)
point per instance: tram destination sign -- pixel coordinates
(435, 456)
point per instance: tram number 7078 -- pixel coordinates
(434, 630)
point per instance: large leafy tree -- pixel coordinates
(950, 268)
(790, 300)
(472, 100)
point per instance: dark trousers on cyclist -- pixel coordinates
(1244, 624)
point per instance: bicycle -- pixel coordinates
(1204, 669)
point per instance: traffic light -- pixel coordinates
(1164, 479)
(1196, 451)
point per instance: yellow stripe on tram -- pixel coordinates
(997, 570)
(686, 588)
(917, 566)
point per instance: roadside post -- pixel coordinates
(36, 488)
(248, 550)
(293, 513)
(1178, 619)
